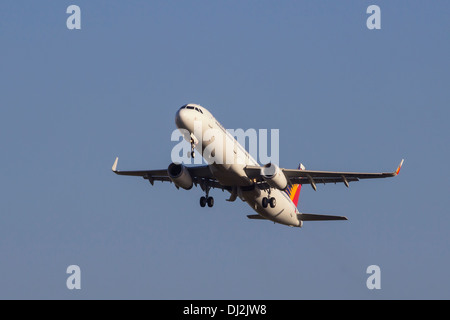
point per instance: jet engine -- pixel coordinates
(180, 176)
(274, 176)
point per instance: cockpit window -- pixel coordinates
(192, 108)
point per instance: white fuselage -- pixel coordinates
(200, 123)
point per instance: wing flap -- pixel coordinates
(324, 180)
(292, 173)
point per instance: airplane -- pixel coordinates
(272, 192)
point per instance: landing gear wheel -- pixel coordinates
(210, 201)
(192, 148)
(273, 202)
(265, 202)
(203, 202)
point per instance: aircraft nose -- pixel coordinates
(177, 117)
(180, 118)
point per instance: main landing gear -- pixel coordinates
(266, 201)
(207, 199)
(269, 201)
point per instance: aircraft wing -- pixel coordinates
(297, 176)
(199, 175)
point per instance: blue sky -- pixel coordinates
(344, 98)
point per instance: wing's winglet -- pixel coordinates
(399, 167)
(114, 167)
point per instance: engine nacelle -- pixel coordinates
(274, 176)
(180, 176)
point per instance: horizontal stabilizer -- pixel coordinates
(256, 217)
(318, 217)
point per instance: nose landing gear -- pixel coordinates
(191, 154)
(193, 142)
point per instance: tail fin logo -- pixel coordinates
(293, 191)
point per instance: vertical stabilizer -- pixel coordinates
(293, 191)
